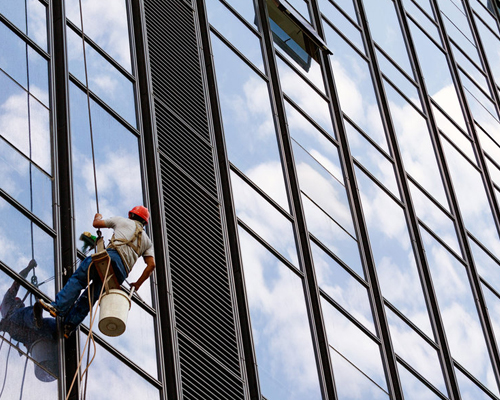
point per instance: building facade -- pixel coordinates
(323, 178)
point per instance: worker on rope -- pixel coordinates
(128, 243)
(24, 324)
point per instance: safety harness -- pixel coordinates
(115, 243)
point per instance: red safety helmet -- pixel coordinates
(140, 211)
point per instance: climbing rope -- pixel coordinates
(24, 377)
(6, 367)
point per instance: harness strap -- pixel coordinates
(114, 242)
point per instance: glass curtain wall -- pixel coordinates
(415, 157)
(107, 177)
(28, 351)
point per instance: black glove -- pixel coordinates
(24, 273)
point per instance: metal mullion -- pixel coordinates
(441, 241)
(248, 359)
(472, 273)
(25, 38)
(475, 380)
(395, 65)
(459, 223)
(347, 40)
(409, 210)
(376, 300)
(310, 286)
(243, 20)
(341, 11)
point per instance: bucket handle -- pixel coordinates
(131, 293)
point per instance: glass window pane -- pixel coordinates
(305, 96)
(280, 326)
(437, 75)
(314, 142)
(15, 12)
(37, 23)
(42, 195)
(399, 80)
(355, 88)
(115, 378)
(332, 235)
(353, 345)
(15, 64)
(412, 348)
(473, 203)
(468, 389)
(21, 377)
(386, 31)
(393, 253)
(248, 122)
(371, 158)
(413, 388)
(15, 172)
(235, 31)
(106, 23)
(38, 76)
(41, 146)
(416, 146)
(264, 219)
(459, 313)
(342, 287)
(486, 266)
(14, 121)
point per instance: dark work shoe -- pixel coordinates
(68, 329)
(38, 315)
(48, 307)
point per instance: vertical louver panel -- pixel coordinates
(204, 315)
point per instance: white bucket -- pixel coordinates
(114, 312)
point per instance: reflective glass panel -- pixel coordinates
(468, 389)
(323, 189)
(248, 122)
(42, 195)
(105, 80)
(412, 348)
(437, 75)
(106, 23)
(473, 203)
(486, 266)
(38, 76)
(139, 325)
(458, 312)
(24, 243)
(280, 326)
(309, 138)
(386, 31)
(416, 146)
(15, 12)
(348, 7)
(110, 377)
(37, 23)
(393, 253)
(14, 121)
(264, 219)
(342, 287)
(15, 172)
(435, 219)
(305, 96)
(15, 64)
(371, 158)
(245, 9)
(355, 87)
(422, 18)
(116, 159)
(235, 31)
(332, 235)
(413, 388)
(342, 23)
(490, 43)
(28, 355)
(41, 145)
(355, 346)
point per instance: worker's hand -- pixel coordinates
(97, 216)
(24, 273)
(135, 285)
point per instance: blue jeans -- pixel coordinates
(74, 307)
(21, 327)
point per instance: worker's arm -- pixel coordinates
(150, 267)
(99, 222)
